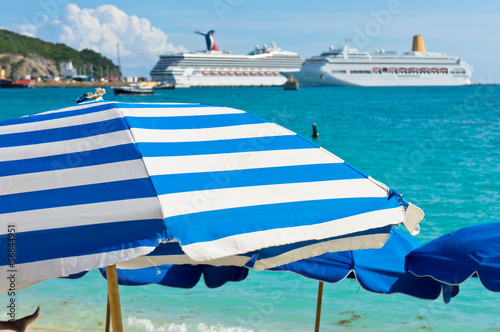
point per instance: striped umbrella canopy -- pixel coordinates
(98, 183)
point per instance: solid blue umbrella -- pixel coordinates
(376, 270)
(456, 256)
(99, 183)
(151, 269)
(180, 276)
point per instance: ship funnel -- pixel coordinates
(209, 38)
(418, 44)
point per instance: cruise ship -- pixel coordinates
(213, 67)
(345, 66)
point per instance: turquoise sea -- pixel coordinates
(439, 146)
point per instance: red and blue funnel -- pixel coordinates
(209, 38)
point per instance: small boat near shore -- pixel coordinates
(291, 84)
(164, 86)
(133, 89)
(12, 84)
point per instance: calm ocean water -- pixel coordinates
(439, 146)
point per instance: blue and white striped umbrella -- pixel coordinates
(98, 183)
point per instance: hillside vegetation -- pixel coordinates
(23, 55)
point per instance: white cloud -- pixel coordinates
(101, 29)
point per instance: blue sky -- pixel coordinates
(464, 28)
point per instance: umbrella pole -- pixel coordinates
(318, 306)
(114, 299)
(107, 314)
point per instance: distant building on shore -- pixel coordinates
(67, 69)
(134, 79)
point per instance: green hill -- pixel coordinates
(16, 50)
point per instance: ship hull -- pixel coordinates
(322, 78)
(200, 81)
(119, 91)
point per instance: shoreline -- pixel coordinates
(77, 84)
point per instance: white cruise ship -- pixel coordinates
(261, 67)
(345, 66)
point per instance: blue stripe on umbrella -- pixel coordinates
(62, 134)
(58, 115)
(160, 105)
(192, 122)
(86, 194)
(112, 154)
(222, 146)
(174, 183)
(85, 240)
(271, 216)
